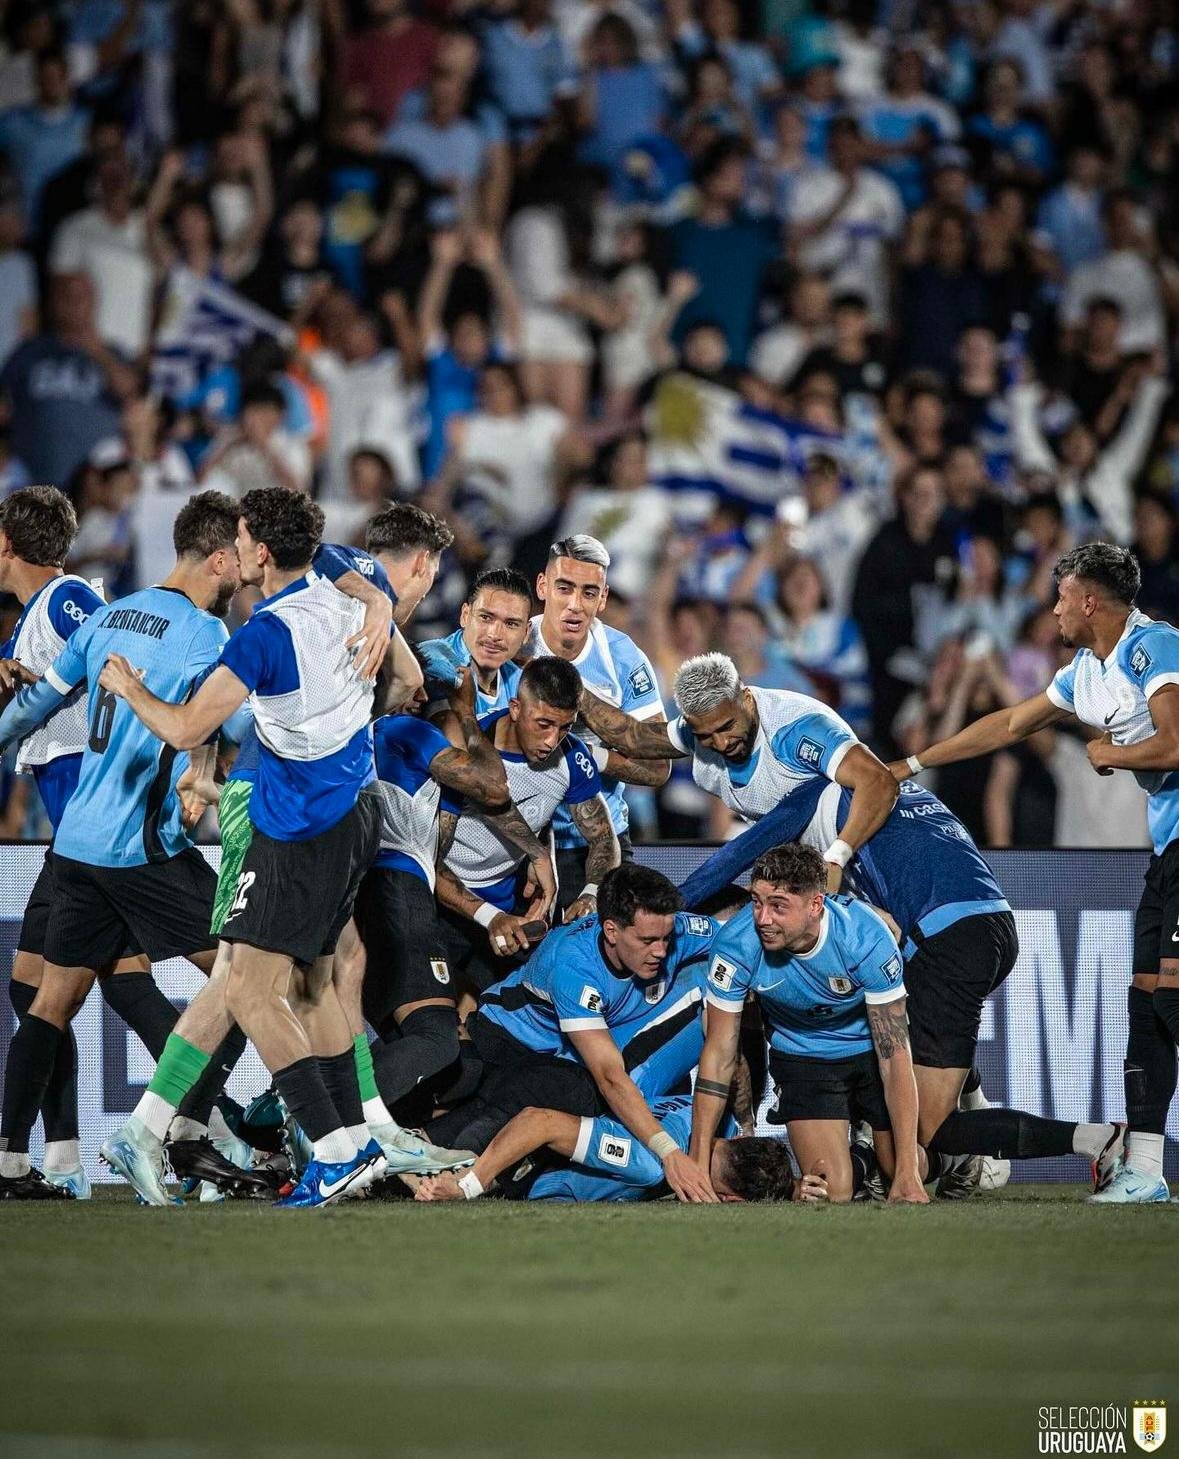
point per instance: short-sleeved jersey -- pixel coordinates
(567, 986)
(311, 709)
(479, 856)
(506, 679)
(125, 811)
(331, 561)
(618, 671)
(798, 738)
(813, 1003)
(53, 752)
(404, 747)
(1114, 694)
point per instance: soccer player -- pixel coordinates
(574, 591)
(493, 624)
(753, 747)
(606, 1163)
(124, 869)
(828, 978)
(959, 941)
(485, 886)
(604, 1015)
(1123, 682)
(316, 831)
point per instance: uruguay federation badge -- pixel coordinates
(1150, 1426)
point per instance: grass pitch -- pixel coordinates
(504, 1330)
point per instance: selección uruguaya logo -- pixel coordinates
(1104, 1429)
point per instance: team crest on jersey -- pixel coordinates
(1140, 661)
(640, 681)
(654, 991)
(699, 926)
(810, 753)
(614, 1150)
(721, 974)
(591, 999)
(440, 970)
(842, 986)
(893, 968)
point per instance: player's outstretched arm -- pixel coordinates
(874, 793)
(186, 725)
(524, 1133)
(890, 1035)
(714, 1080)
(639, 739)
(651, 773)
(992, 732)
(592, 819)
(1159, 751)
(28, 709)
(603, 1058)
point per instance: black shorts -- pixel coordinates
(295, 897)
(829, 1089)
(474, 966)
(1156, 922)
(515, 1077)
(98, 912)
(405, 956)
(948, 979)
(570, 870)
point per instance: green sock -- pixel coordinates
(181, 1065)
(364, 1069)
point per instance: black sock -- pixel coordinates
(972, 1082)
(1150, 1062)
(1008, 1134)
(338, 1072)
(31, 1056)
(303, 1092)
(864, 1164)
(59, 1108)
(426, 1051)
(471, 1127)
(199, 1101)
(140, 1003)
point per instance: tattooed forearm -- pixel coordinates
(890, 1027)
(481, 777)
(714, 1087)
(592, 819)
(512, 826)
(447, 825)
(653, 773)
(451, 893)
(644, 739)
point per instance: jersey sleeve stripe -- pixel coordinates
(890, 997)
(579, 1025)
(838, 756)
(585, 1133)
(1058, 698)
(646, 711)
(57, 681)
(1160, 681)
(726, 1005)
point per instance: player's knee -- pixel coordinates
(839, 1188)
(59, 997)
(245, 997)
(437, 1026)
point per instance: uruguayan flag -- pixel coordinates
(202, 324)
(705, 438)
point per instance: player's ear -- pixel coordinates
(464, 615)
(542, 586)
(514, 709)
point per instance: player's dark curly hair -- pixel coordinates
(552, 681)
(1114, 569)
(501, 580)
(403, 528)
(630, 889)
(40, 524)
(205, 524)
(288, 522)
(793, 867)
(758, 1169)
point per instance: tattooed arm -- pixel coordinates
(638, 739)
(592, 819)
(630, 771)
(890, 1035)
(505, 932)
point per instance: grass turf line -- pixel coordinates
(493, 1329)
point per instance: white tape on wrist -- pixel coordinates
(471, 1186)
(914, 764)
(589, 890)
(839, 853)
(600, 755)
(661, 1145)
(486, 914)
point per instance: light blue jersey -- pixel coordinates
(609, 1164)
(798, 739)
(813, 1003)
(567, 987)
(506, 679)
(618, 671)
(125, 811)
(1114, 694)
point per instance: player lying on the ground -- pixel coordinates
(1123, 682)
(606, 1162)
(490, 908)
(958, 938)
(753, 747)
(605, 1015)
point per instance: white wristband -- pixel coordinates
(914, 765)
(589, 890)
(839, 853)
(486, 914)
(661, 1145)
(600, 755)
(471, 1186)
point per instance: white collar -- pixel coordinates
(824, 928)
(1134, 619)
(584, 654)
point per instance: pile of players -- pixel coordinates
(434, 844)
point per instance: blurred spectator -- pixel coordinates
(18, 282)
(1156, 543)
(528, 64)
(902, 126)
(1010, 144)
(940, 297)
(46, 135)
(1124, 274)
(629, 515)
(386, 58)
(779, 351)
(1070, 215)
(102, 549)
(257, 452)
(371, 486)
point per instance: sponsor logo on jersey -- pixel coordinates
(440, 970)
(591, 999)
(74, 611)
(614, 1150)
(893, 968)
(640, 681)
(365, 565)
(654, 991)
(721, 974)
(1140, 661)
(699, 926)
(842, 986)
(810, 753)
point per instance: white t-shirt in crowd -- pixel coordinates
(1126, 277)
(852, 250)
(512, 462)
(115, 256)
